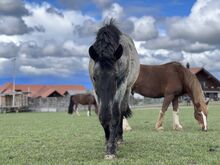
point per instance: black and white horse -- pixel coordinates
(114, 67)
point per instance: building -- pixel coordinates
(22, 94)
(210, 84)
(43, 91)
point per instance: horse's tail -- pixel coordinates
(70, 109)
(127, 113)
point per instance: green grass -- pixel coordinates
(57, 138)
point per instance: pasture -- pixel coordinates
(58, 138)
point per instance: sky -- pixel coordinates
(50, 39)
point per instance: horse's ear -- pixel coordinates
(93, 53)
(118, 52)
(207, 102)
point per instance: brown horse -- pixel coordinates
(83, 99)
(170, 81)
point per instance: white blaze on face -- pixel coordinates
(204, 121)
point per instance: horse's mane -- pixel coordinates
(174, 63)
(191, 82)
(107, 41)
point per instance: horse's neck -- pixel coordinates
(130, 59)
(197, 93)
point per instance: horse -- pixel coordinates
(113, 68)
(170, 81)
(83, 99)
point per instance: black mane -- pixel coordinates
(107, 41)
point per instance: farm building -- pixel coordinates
(35, 91)
(26, 94)
(20, 101)
(210, 84)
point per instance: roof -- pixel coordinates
(198, 70)
(73, 92)
(195, 70)
(5, 87)
(41, 90)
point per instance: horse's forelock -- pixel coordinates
(107, 41)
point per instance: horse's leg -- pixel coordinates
(89, 110)
(119, 136)
(166, 103)
(113, 127)
(96, 109)
(176, 123)
(73, 109)
(126, 126)
(76, 110)
(123, 124)
(104, 118)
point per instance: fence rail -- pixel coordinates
(60, 104)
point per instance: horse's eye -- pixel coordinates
(94, 78)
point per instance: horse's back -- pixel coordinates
(160, 73)
(158, 80)
(83, 98)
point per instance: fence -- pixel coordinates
(51, 104)
(60, 104)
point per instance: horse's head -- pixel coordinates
(201, 114)
(105, 76)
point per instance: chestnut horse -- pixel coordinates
(83, 99)
(170, 81)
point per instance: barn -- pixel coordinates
(210, 84)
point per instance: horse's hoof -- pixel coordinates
(110, 157)
(128, 129)
(120, 141)
(160, 128)
(178, 127)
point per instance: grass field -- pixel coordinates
(57, 138)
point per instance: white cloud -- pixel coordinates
(55, 26)
(176, 45)
(10, 25)
(77, 5)
(114, 11)
(8, 50)
(75, 48)
(198, 47)
(56, 66)
(88, 28)
(144, 28)
(59, 39)
(5, 67)
(201, 25)
(13, 8)
(102, 3)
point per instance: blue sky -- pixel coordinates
(50, 39)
